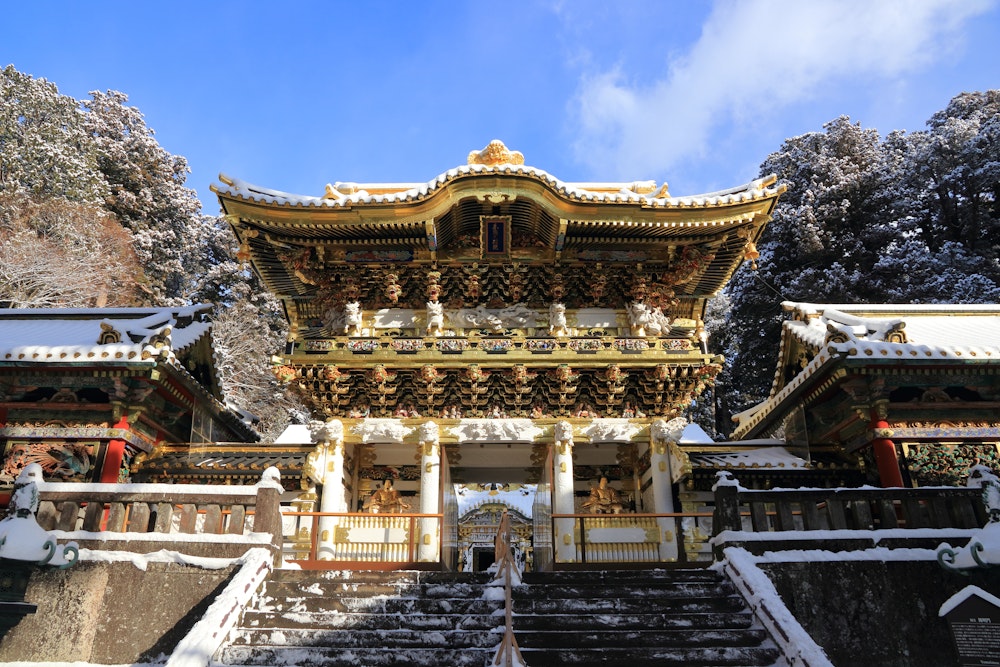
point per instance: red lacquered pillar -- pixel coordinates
(113, 457)
(885, 454)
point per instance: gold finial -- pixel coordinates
(496, 153)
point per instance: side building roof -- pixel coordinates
(174, 339)
(818, 339)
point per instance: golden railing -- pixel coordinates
(391, 541)
(361, 540)
(632, 538)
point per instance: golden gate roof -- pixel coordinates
(552, 222)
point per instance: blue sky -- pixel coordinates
(295, 95)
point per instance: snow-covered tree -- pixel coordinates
(146, 191)
(95, 212)
(821, 245)
(913, 218)
(246, 333)
(44, 146)
(956, 169)
(57, 253)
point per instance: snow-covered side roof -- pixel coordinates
(968, 332)
(346, 195)
(694, 435)
(295, 434)
(66, 335)
(969, 591)
(765, 457)
(877, 333)
(521, 499)
(145, 336)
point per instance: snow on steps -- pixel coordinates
(663, 617)
(368, 618)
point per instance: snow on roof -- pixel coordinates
(295, 434)
(880, 332)
(694, 435)
(343, 195)
(958, 598)
(765, 457)
(899, 331)
(61, 335)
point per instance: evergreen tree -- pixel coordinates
(94, 212)
(44, 146)
(146, 192)
(817, 247)
(911, 219)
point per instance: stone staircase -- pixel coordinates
(368, 618)
(636, 618)
(664, 617)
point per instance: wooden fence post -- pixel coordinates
(267, 516)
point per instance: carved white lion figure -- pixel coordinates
(564, 432)
(664, 431)
(352, 318)
(647, 320)
(557, 319)
(435, 317)
(429, 432)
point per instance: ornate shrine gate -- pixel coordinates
(496, 325)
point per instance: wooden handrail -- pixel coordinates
(160, 508)
(842, 508)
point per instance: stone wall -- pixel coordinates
(111, 612)
(867, 613)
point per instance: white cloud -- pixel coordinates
(754, 56)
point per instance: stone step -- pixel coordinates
(761, 656)
(337, 657)
(379, 576)
(595, 636)
(627, 576)
(337, 589)
(371, 605)
(254, 620)
(571, 622)
(593, 591)
(356, 638)
(625, 605)
(681, 616)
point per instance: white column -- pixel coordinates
(325, 465)
(563, 495)
(430, 493)
(662, 436)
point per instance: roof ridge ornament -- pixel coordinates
(496, 153)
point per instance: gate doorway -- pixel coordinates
(480, 507)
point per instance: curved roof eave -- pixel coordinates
(756, 420)
(568, 198)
